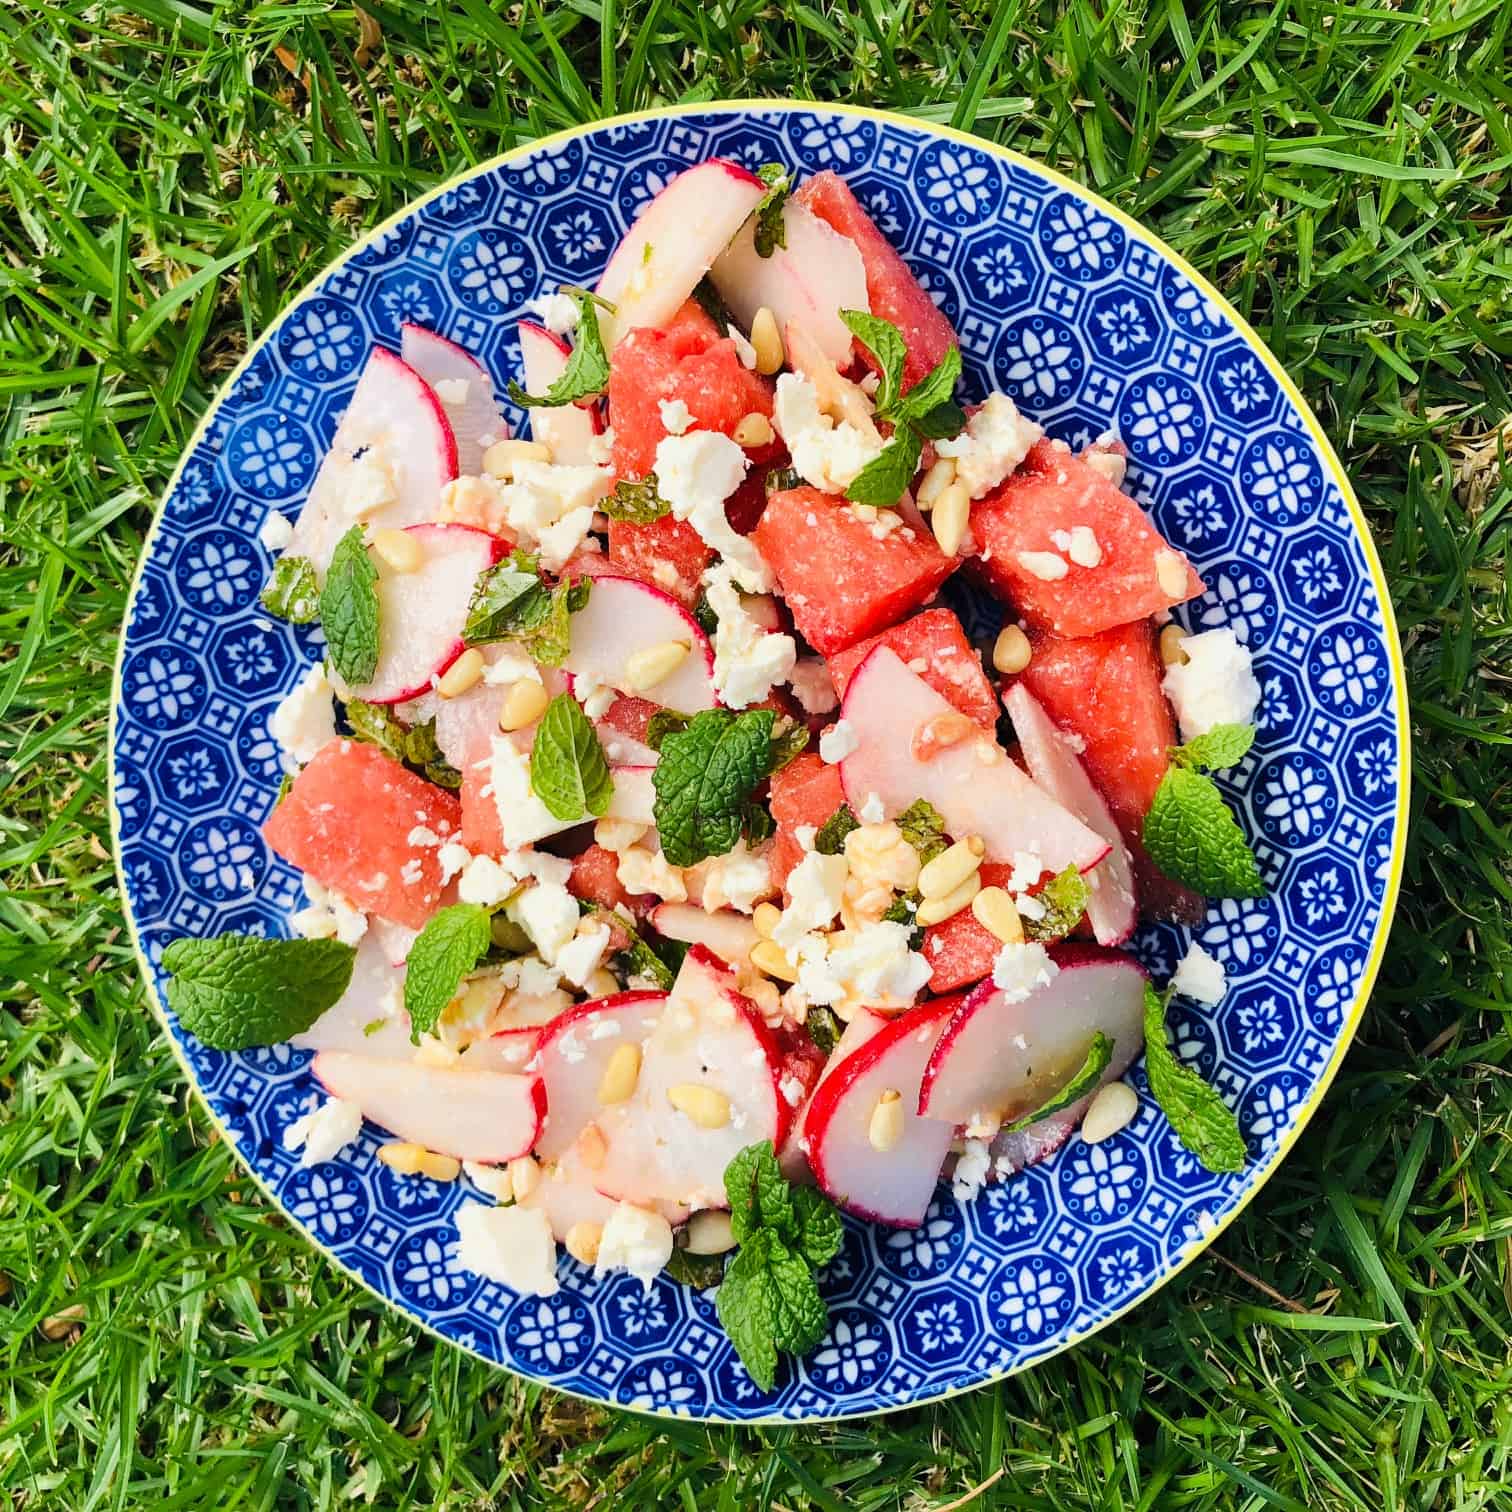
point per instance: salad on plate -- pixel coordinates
(679, 873)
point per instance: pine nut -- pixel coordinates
(525, 702)
(1171, 571)
(996, 912)
(524, 1177)
(1047, 566)
(708, 1108)
(935, 482)
(397, 550)
(401, 1158)
(949, 517)
(440, 1167)
(765, 995)
(937, 910)
(709, 1233)
(500, 458)
(583, 1240)
(1172, 646)
(1011, 651)
(654, 664)
(617, 1084)
(769, 956)
(767, 340)
(754, 430)
(1112, 1109)
(885, 1127)
(462, 674)
(766, 919)
(476, 1002)
(591, 1146)
(939, 732)
(950, 868)
(603, 983)
(60, 1324)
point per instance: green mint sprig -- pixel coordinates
(415, 745)
(234, 992)
(635, 501)
(292, 592)
(924, 829)
(1099, 1054)
(568, 770)
(1064, 899)
(705, 779)
(587, 371)
(1203, 1122)
(349, 609)
(513, 602)
(771, 231)
(453, 941)
(830, 839)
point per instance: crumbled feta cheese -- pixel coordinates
(583, 955)
(676, 417)
(422, 834)
(1022, 967)
(558, 541)
(510, 1245)
(792, 1090)
(971, 1170)
(492, 1179)
(838, 741)
(871, 811)
(1047, 566)
(1216, 685)
(805, 835)
(877, 967)
(330, 916)
(635, 1240)
(812, 685)
(305, 719)
(1028, 868)
(412, 871)
(618, 834)
(816, 887)
(743, 348)
(509, 666)
(645, 871)
(996, 439)
(452, 391)
(485, 882)
(695, 474)
(747, 659)
(523, 818)
(559, 313)
(541, 495)
(601, 447)
(276, 531)
(548, 913)
(881, 862)
(323, 1132)
(736, 880)
(1200, 976)
(1032, 909)
(826, 455)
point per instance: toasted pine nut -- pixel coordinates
(1011, 651)
(1171, 571)
(885, 1127)
(603, 983)
(939, 732)
(708, 1108)
(950, 868)
(500, 458)
(1172, 648)
(766, 919)
(583, 1240)
(952, 511)
(60, 1324)
(440, 1167)
(767, 340)
(937, 910)
(397, 550)
(766, 996)
(710, 1233)
(525, 702)
(1047, 566)
(1114, 1108)
(462, 674)
(524, 1177)
(935, 482)
(477, 1000)
(591, 1146)
(996, 911)
(620, 1076)
(769, 956)
(754, 430)
(402, 1158)
(651, 665)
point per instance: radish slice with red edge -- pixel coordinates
(568, 429)
(476, 420)
(728, 934)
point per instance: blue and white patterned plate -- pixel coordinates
(1091, 325)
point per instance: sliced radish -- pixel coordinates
(489, 1116)
(394, 939)
(476, 420)
(712, 1037)
(975, 787)
(517, 1028)
(368, 1018)
(728, 934)
(466, 724)
(623, 616)
(567, 429)
(998, 1060)
(421, 613)
(894, 1185)
(674, 241)
(807, 282)
(1057, 768)
(1010, 1153)
(567, 1195)
(793, 1157)
(623, 750)
(394, 414)
(634, 795)
(573, 1053)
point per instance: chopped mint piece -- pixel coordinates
(349, 609)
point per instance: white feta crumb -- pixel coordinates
(1216, 685)
(996, 439)
(323, 1132)
(452, 391)
(1080, 544)
(583, 955)
(1028, 868)
(483, 881)
(422, 834)
(748, 660)
(548, 913)
(635, 1240)
(792, 1090)
(805, 835)
(510, 666)
(644, 871)
(330, 916)
(825, 454)
(695, 474)
(305, 719)
(523, 818)
(816, 888)
(510, 1245)
(276, 531)
(871, 811)
(736, 880)
(367, 485)
(971, 1170)
(559, 313)
(1020, 968)
(676, 417)
(743, 348)
(838, 742)
(1200, 976)
(812, 685)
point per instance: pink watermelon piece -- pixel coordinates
(673, 546)
(806, 791)
(950, 666)
(961, 951)
(595, 879)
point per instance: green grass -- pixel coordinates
(166, 181)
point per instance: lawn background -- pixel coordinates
(172, 172)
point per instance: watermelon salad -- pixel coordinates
(678, 870)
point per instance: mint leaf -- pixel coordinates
(823, 1027)
(1203, 1122)
(704, 778)
(422, 752)
(1064, 898)
(771, 232)
(757, 824)
(830, 841)
(947, 419)
(1225, 745)
(587, 371)
(698, 1271)
(349, 609)
(923, 404)
(451, 944)
(638, 958)
(1194, 839)
(882, 481)
(923, 828)
(663, 723)
(888, 349)
(820, 1234)
(742, 1189)
(568, 772)
(788, 744)
(747, 1309)
(551, 640)
(1099, 1053)
(635, 500)
(292, 591)
(378, 725)
(799, 1316)
(512, 602)
(236, 991)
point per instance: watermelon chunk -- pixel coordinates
(482, 833)
(669, 554)
(950, 666)
(894, 292)
(961, 951)
(840, 582)
(346, 821)
(1105, 690)
(806, 791)
(595, 879)
(1053, 494)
